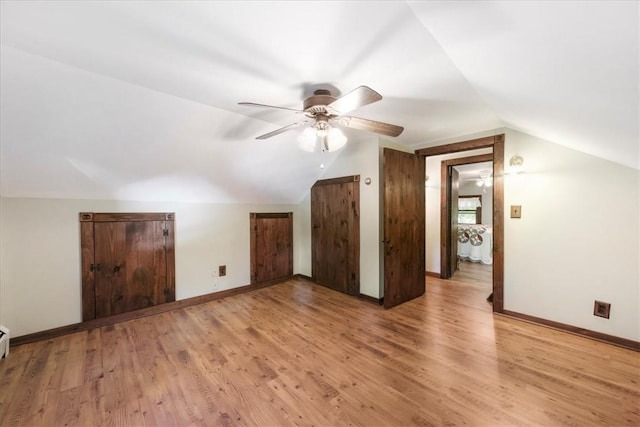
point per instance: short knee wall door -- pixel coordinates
(128, 262)
(271, 246)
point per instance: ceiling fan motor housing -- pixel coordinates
(318, 102)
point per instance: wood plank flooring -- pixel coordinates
(300, 354)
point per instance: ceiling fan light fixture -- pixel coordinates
(335, 139)
(307, 140)
(322, 107)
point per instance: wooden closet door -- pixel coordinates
(128, 262)
(335, 234)
(133, 266)
(271, 246)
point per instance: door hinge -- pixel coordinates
(94, 267)
(165, 232)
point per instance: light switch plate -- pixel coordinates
(516, 211)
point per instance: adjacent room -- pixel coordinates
(319, 213)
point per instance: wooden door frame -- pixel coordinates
(495, 142)
(445, 207)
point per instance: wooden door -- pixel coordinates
(127, 262)
(404, 227)
(335, 234)
(271, 246)
(454, 184)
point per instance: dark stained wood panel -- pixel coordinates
(126, 216)
(170, 249)
(498, 225)
(404, 227)
(88, 277)
(133, 266)
(453, 218)
(128, 262)
(271, 246)
(335, 234)
(456, 147)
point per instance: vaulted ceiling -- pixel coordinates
(138, 100)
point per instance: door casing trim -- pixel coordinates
(495, 142)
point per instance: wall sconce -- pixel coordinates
(515, 164)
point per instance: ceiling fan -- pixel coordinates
(325, 114)
(485, 180)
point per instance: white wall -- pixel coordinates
(40, 263)
(432, 205)
(577, 240)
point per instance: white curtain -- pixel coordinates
(468, 203)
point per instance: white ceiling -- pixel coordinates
(474, 171)
(138, 100)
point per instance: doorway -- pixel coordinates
(470, 204)
(465, 233)
(496, 143)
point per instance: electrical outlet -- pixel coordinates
(215, 283)
(222, 270)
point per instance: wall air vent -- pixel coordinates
(601, 309)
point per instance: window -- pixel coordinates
(470, 209)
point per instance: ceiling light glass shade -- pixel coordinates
(307, 140)
(335, 139)
(485, 182)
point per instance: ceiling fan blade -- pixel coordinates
(284, 129)
(359, 97)
(253, 104)
(370, 125)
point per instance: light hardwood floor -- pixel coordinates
(475, 273)
(300, 354)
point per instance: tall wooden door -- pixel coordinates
(404, 227)
(335, 234)
(271, 246)
(127, 262)
(454, 184)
